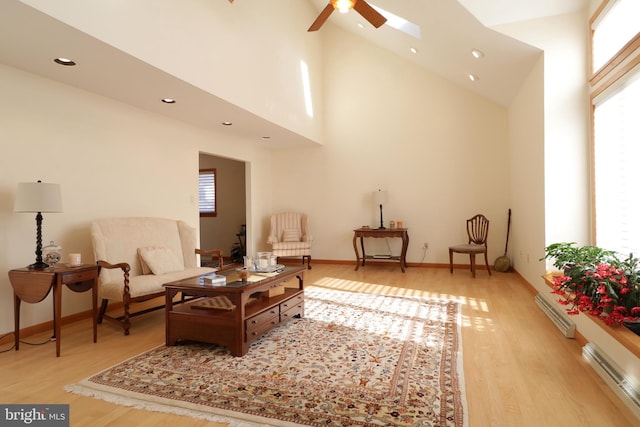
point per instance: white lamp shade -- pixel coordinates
(380, 197)
(38, 197)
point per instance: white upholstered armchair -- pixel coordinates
(290, 236)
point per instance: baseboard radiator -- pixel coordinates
(566, 326)
(613, 375)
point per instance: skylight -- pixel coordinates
(399, 23)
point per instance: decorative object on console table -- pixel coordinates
(380, 198)
(38, 197)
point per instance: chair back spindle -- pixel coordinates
(478, 229)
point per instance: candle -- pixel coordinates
(75, 259)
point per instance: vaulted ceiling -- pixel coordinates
(450, 29)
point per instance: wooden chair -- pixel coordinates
(478, 232)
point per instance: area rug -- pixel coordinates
(354, 360)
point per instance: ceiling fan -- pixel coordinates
(361, 6)
(343, 6)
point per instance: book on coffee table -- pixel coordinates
(214, 280)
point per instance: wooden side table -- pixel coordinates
(33, 286)
(361, 233)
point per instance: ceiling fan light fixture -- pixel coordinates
(343, 6)
(365, 10)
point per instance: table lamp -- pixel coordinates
(380, 198)
(38, 197)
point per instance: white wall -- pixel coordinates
(212, 45)
(439, 150)
(564, 40)
(526, 175)
(110, 159)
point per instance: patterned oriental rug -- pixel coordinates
(354, 360)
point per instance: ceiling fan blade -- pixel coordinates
(321, 18)
(369, 13)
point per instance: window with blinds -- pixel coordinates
(207, 192)
(616, 127)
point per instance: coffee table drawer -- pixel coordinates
(261, 323)
(291, 308)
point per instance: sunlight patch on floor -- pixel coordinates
(473, 305)
(376, 288)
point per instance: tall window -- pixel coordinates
(613, 28)
(615, 100)
(207, 192)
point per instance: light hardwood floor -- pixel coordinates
(518, 369)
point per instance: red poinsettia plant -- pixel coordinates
(597, 281)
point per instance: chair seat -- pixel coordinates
(468, 248)
(284, 246)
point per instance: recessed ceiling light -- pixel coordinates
(477, 53)
(227, 123)
(168, 100)
(473, 77)
(413, 50)
(64, 61)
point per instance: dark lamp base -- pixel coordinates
(38, 266)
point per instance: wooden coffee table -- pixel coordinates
(233, 315)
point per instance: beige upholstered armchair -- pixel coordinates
(290, 236)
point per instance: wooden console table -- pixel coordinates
(33, 286)
(251, 311)
(361, 233)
